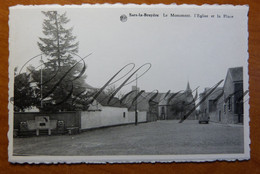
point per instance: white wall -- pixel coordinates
(109, 116)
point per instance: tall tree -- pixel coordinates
(62, 78)
(58, 42)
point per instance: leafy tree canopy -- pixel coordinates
(24, 94)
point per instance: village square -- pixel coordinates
(56, 111)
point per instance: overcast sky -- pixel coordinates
(198, 50)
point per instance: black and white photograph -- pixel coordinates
(128, 83)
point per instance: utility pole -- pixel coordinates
(41, 81)
(136, 93)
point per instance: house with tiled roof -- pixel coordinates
(225, 104)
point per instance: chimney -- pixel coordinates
(135, 88)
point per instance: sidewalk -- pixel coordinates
(230, 125)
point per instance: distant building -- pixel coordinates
(225, 105)
(162, 106)
(177, 105)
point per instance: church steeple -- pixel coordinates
(188, 87)
(188, 90)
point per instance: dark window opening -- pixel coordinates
(229, 104)
(42, 124)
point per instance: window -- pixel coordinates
(224, 108)
(212, 106)
(230, 104)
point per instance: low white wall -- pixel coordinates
(109, 116)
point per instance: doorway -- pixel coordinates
(219, 116)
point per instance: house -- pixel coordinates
(104, 100)
(225, 105)
(143, 102)
(232, 104)
(209, 106)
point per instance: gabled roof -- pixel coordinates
(114, 102)
(236, 73)
(152, 95)
(181, 96)
(86, 85)
(215, 94)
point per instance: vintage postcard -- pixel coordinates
(128, 83)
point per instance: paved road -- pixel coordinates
(161, 137)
